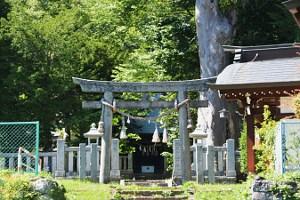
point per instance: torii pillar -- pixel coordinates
(104, 176)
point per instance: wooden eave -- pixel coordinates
(254, 86)
(259, 92)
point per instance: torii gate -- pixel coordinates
(110, 87)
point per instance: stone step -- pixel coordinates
(155, 197)
(148, 181)
(160, 183)
(147, 184)
(219, 179)
(152, 192)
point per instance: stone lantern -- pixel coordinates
(199, 133)
(94, 133)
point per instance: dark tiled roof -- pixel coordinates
(267, 73)
(292, 4)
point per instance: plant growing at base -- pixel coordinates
(264, 150)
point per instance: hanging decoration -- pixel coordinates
(189, 124)
(155, 137)
(189, 118)
(123, 130)
(100, 128)
(165, 136)
(128, 120)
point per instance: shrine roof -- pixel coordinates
(281, 72)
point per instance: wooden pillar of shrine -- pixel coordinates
(250, 143)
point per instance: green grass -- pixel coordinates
(85, 190)
(14, 185)
(220, 191)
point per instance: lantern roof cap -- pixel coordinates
(93, 132)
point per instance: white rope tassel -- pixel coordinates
(165, 136)
(128, 120)
(155, 137)
(123, 135)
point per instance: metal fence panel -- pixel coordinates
(14, 135)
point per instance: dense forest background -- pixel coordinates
(43, 43)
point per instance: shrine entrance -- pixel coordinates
(109, 105)
(147, 159)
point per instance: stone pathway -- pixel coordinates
(150, 189)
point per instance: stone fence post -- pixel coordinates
(230, 160)
(199, 163)
(60, 156)
(211, 163)
(177, 160)
(130, 163)
(82, 160)
(115, 160)
(94, 161)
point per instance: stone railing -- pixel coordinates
(81, 161)
(209, 162)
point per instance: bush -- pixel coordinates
(243, 149)
(284, 185)
(264, 153)
(16, 186)
(297, 105)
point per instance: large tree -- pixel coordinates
(241, 22)
(213, 30)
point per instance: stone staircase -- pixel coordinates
(149, 190)
(154, 183)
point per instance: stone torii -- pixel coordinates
(110, 87)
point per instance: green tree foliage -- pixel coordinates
(44, 43)
(296, 102)
(263, 22)
(48, 42)
(162, 34)
(243, 149)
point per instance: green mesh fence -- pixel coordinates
(14, 135)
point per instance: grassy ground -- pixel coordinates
(16, 186)
(85, 190)
(220, 191)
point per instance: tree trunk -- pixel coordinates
(213, 30)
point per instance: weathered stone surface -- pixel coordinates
(93, 86)
(60, 170)
(261, 189)
(49, 189)
(264, 189)
(115, 165)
